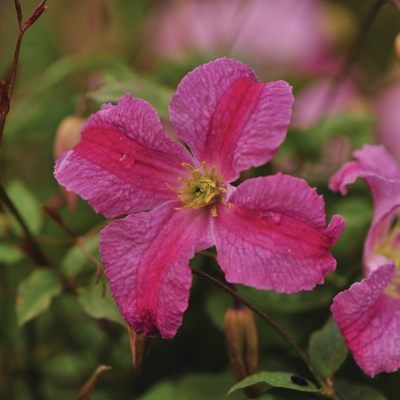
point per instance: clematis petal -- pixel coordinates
(274, 237)
(123, 160)
(370, 321)
(228, 118)
(382, 174)
(146, 259)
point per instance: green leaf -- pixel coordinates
(327, 348)
(157, 95)
(290, 303)
(285, 394)
(216, 304)
(35, 293)
(193, 387)
(277, 379)
(357, 212)
(352, 391)
(10, 254)
(92, 300)
(27, 205)
(67, 66)
(74, 260)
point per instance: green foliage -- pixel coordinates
(277, 379)
(352, 391)
(49, 355)
(35, 294)
(327, 348)
(293, 303)
(98, 306)
(75, 260)
(158, 96)
(10, 254)
(285, 394)
(193, 387)
(27, 205)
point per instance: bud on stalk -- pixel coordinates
(67, 136)
(397, 45)
(242, 344)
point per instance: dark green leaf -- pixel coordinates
(352, 391)
(158, 96)
(193, 387)
(67, 66)
(285, 394)
(35, 293)
(74, 260)
(27, 205)
(291, 303)
(276, 379)
(10, 254)
(92, 300)
(217, 302)
(327, 348)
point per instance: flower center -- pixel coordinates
(390, 248)
(201, 189)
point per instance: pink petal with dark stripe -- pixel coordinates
(228, 118)
(370, 321)
(146, 259)
(123, 161)
(275, 235)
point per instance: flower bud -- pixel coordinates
(67, 136)
(141, 346)
(242, 344)
(397, 45)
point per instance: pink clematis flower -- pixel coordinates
(270, 232)
(368, 314)
(287, 35)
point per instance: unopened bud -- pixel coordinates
(67, 136)
(141, 346)
(397, 45)
(34, 16)
(242, 344)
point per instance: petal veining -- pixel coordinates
(146, 258)
(228, 118)
(268, 243)
(123, 160)
(370, 321)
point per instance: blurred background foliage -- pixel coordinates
(56, 327)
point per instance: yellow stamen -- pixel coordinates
(390, 248)
(200, 189)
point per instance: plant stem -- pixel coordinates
(355, 47)
(22, 29)
(13, 75)
(327, 389)
(34, 251)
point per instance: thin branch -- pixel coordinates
(328, 390)
(35, 251)
(22, 29)
(78, 240)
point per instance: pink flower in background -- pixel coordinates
(368, 314)
(287, 34)
(320, 100)
(387, 107)
(270, 232)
